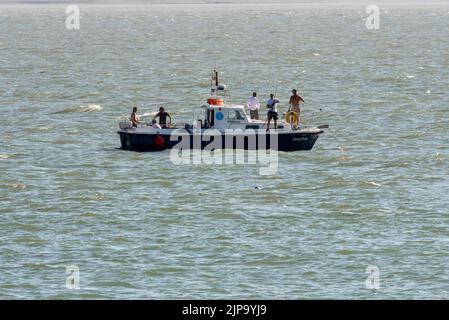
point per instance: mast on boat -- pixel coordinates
(218, 91)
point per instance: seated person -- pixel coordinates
(155, 125)
(238, 115)
(162, 114)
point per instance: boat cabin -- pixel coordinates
(222, 117)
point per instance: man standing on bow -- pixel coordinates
(294, 102)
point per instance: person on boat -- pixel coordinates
(238, 115)
(163, 115)
(272, 105)
(294, 102)
(134, 117)
(155, 125)
(253, 106)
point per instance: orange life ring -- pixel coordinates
(215, 101)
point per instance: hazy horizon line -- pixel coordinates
(290, 2)
(254, 3)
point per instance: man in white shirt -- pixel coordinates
(272, 105)
(155, 125)
(254, 106)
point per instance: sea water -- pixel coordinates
(369, 203)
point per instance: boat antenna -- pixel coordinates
(214, 78)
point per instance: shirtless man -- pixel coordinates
(294, 102)
(134, 117)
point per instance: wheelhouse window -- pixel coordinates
(235, 115)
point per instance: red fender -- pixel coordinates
(159, 142)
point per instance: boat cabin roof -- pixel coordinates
(225, 106)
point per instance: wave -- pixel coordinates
(20, 186)
(84, 108)
(38, 129)
(149, 114)
(372, 183)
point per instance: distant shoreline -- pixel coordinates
(222, 2)
(247, 4)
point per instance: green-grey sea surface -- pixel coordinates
(372, 192)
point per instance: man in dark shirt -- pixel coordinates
(162, 114)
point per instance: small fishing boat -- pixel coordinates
(217, 125)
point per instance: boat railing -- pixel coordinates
(307, 119)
